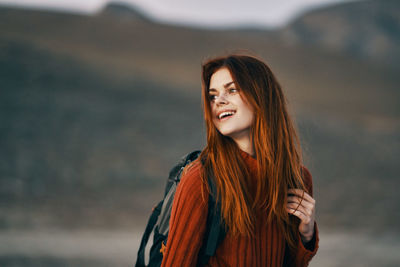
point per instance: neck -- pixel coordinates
(245, 145)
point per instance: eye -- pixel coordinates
(212, 97)
(233, 90)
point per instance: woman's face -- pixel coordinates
(232, 115)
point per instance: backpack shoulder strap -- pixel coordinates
(145, 238)
(175, 173)
(216, 230)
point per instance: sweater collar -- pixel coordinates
(250, 161)
(245, 155)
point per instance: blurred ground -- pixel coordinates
(98, 248)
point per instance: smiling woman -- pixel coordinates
(253, 157)
(232, 115)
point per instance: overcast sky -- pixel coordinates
(208, 13)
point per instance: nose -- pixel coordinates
(221, 100)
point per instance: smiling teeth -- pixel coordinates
(226, 113)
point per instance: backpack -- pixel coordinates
(158, 222)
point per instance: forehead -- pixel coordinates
(220, 78)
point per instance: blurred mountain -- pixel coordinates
(366, 29)
(123, 11)
(96, 109)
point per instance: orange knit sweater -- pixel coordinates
(188, 225)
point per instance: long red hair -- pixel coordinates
(276, 145)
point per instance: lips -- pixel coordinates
(226, 114)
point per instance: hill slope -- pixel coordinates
(366, 29)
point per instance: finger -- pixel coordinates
(297, 192)
(300, 201)
(298, 213)
(302, 194)
(303, 204)
(302, 209)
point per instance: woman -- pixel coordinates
(254, 154)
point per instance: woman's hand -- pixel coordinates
(302, 205)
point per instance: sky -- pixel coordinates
(203, 13)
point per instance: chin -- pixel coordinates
(228, 132)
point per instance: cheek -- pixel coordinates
(213, 113)
(213, 110)
(248, 117)
(250, 112)
(247, 111)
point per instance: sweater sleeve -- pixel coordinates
(188, 221)
(305, 252)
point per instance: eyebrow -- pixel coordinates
(225, 86)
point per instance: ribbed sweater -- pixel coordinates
(188, 224)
